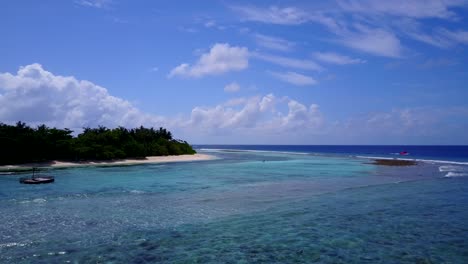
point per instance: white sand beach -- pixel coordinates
(153, 159)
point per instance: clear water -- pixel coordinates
(244, 207)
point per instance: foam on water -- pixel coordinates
(137, 191)
(420, 160)
(449, 168)
(454, 171)
(456, 174)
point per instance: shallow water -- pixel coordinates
(246, 207)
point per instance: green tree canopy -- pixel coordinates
(22, 144)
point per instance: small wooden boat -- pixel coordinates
(39, 179)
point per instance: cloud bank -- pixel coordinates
(37, 96)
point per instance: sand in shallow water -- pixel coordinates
(153, 159)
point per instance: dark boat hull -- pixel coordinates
(38, 180)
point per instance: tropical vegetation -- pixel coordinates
(21, 143)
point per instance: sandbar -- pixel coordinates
(394, 162)
(147, 160)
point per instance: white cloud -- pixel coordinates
(372, 26)
(440, 37)
(255, 116)
(375, 41)
(438, 62)
(415, 8)
(182, 69)
(334, 58)
(409, 14)
(232, 87)
(370, 39)
(220, 59)
(412, 125)
(272, 15)
(210, 23)
(235, 102)
(295, 78)
(268, 102)
(273, 43)
(37, 96)
(459, 36)
(289, 62)
(95, 3)
(299, 116)
(282, 119)
(434, 40)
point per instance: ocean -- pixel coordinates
(254, 204)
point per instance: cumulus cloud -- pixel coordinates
(334, 58)
(257, 115)
(220, 59)
(232, 87)
(37, 96)
(295, 78)
(411, 125)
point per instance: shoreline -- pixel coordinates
(148, 160)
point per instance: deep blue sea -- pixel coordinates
(253, 204)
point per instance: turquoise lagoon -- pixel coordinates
(245, 207)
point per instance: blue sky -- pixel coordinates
(241, 72)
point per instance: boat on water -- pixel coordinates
(37, 179)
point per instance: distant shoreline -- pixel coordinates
(106, 163)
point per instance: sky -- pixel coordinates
(241, 72)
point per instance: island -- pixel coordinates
(24, 146)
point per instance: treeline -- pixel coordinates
(23, 144)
